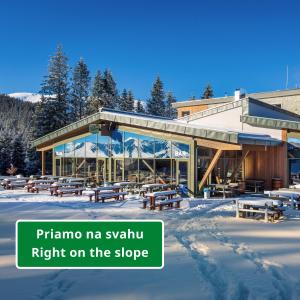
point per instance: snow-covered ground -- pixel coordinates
(209, 254)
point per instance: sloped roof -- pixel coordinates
(220, 100)
(153, 123)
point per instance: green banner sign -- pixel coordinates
(89, 244)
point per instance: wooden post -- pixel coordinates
(43, 163)
(210, 168)
(237, 209)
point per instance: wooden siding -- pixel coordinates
(267, 164)
(191, 109)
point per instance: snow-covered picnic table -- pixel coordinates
(292, 194)
(94, 192)
(271, 209)
(152, 197)
(150, 187)
(57, 185)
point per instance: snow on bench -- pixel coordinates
(169, 203)
(271, 209)
(116, 196)
(75, 191)
(39, 187)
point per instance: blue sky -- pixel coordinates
(229, 44)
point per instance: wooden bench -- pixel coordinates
(116, 196)
(270, 215)
(76, 191)
(169, 203)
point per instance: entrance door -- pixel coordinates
(118, 173)
(182, 172)
(101, 171)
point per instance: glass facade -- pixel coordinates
(226, 165)
(123, 156)
(294, 159)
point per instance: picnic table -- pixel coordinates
(254, 184)
(224, 189)
(151, 187)
(270, 209)
(8, 180)
(153, 197)
(38, 184)
(293, 195)
(57, 185)
(105, 189)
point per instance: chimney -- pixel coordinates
(237, 94)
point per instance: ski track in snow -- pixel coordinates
(197, 230)
(224, 285)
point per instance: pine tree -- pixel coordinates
(54, 108)
(95, 101)
(170, 111)
(126, 102)
(156, 104)
(79, 91)
(123, 99)
(5, 150)
(18, 154)
(139, 107)
(110, 96)
(208, 92)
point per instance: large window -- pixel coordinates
(163, 171)
(146, 170)
(162, 148)
(131, 169)
(91, 146)
(123, 156)
(103, 146)
(131, 145)
(294, 159)
(117, 145)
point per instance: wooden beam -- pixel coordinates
(210, 168)
(43, 163)
(245, 154)
(218, 145)
(255, 148)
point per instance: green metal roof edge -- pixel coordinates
(148, 123)
(66, 129)
(270, 123)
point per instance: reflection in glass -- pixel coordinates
(91, 145)
(162, 148)
(103, 146)
(180, 150)
(69, 149)
(131, 144)
(146, 147)
(79, 147)
(117, 144)
(59, 151)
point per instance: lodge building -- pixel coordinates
(241, 139)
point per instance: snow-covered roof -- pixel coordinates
(154, 123)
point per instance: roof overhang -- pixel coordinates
(270, 123)
(138, 121)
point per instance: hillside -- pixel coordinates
(15, 116)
